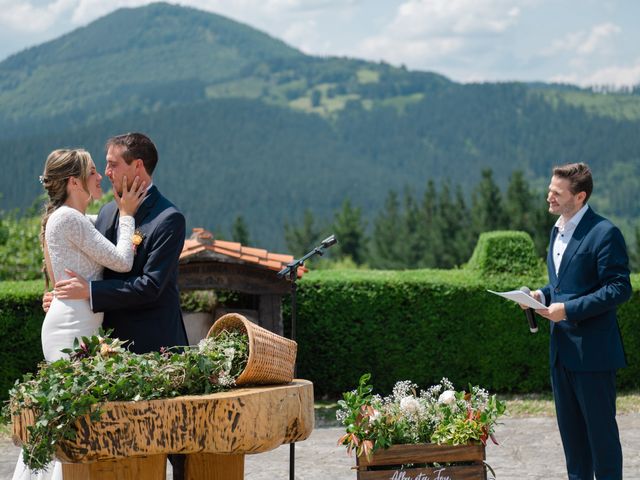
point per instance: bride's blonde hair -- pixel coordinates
(61, 165)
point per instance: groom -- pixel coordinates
(143, 305)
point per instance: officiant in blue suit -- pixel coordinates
(588, 278)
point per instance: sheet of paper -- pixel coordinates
(519, 296)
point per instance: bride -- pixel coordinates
(71, 244)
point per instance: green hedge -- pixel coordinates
(21, 319)
(420, 325)
(423, 325)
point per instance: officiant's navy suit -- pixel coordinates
(586, 348)
(143, 305)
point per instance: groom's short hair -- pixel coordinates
(136, 145)
(579, 177)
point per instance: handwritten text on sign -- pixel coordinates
(437, 475)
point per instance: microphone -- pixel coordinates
(530, 313)
(327, 242)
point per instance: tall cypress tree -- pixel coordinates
(240, 231)
(464, 239)
(387, 230)
(410, 249)
(349, 228)
(429, 228)
(487, 209)
(521, 204)
(302, 238)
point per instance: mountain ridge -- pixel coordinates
(251, 126)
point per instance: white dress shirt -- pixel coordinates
(563, 237)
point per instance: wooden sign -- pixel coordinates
(424, 462)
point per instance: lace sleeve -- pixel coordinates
(92, 218)
(118, 257)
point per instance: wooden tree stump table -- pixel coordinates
(132, 439)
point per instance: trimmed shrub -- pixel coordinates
(21, 319)
(506, 252)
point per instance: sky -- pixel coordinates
(582, 42)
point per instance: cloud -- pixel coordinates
(619, 76)
(426, 30)
(584, 42)
(26, 17)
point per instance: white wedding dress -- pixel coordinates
(74, 243)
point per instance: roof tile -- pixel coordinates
(202, 240)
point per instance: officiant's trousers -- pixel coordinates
(586, 414)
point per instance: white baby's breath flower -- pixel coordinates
(203, 345)
(226, 380)
(446, 383)
(447, 397)
(341, 416)
(403, 389)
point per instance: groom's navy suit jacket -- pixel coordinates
(592, 281)
(143, 305)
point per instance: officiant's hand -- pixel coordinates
(536, 296)
(47, 298)
(556, 312)
(75, 288)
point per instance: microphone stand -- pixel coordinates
(290, 273)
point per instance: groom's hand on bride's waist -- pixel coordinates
(75, 288)
(46, 301)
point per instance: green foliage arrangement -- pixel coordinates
(439, 415)
(98, 369)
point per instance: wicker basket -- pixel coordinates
(271, 359)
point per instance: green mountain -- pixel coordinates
(248, 125)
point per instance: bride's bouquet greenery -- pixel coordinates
(99, 369)
(438, 415)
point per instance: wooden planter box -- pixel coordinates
(424, 462)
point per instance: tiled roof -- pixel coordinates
(202, 240)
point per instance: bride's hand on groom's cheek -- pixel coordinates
(75, 288)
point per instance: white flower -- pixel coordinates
(376, 415)
(403, 389)
(226, 380)
(410, 405)
(447, 397)
(204, 345)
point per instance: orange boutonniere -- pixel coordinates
(137, 239)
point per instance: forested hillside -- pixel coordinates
(247, 125)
